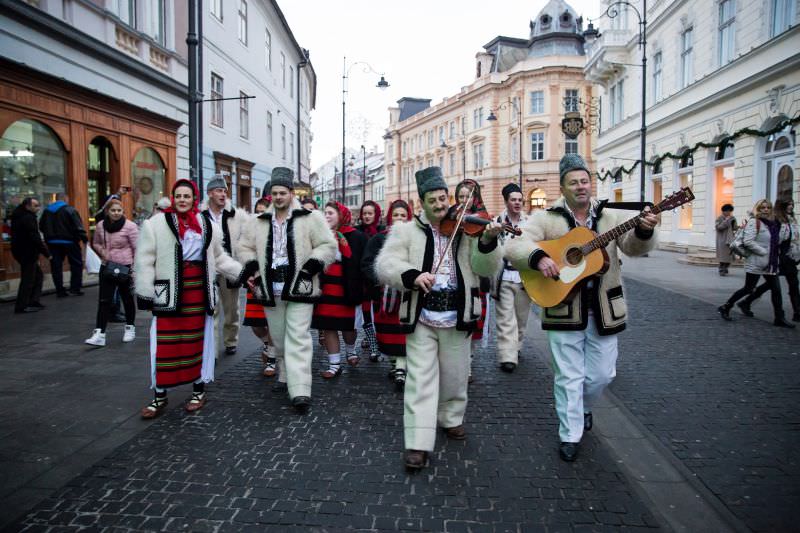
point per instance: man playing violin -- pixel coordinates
(581, 330)
(440, 307)
(513, 304)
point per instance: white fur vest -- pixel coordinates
(606, 297)
(408, 251)
(233, 221)
(310, 246)
(159, 264)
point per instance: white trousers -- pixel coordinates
(437, 362)
(511, 319)
(290, 329)
(226, 314)
(584, 363)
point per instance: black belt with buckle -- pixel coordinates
(441, 301)
(280, 274)
(193, 263)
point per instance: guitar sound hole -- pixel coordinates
(574, 256)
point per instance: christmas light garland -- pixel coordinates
(722, 142)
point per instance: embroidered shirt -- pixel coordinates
(192, 245)
(445, 280)
(280, 254)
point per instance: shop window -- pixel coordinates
(98, 167)
(32, 163)
(537, 199)
(148, 183)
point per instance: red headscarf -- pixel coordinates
(345, 217)
(392, 206)
(370, 229)
(187, 220)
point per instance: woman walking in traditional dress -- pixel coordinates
(370, 225)
(177, 258)
(385, 301)
(342, 291)
(255, 312)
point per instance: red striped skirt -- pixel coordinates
(391, 339)
(478, 333)
(332, 312)
(255, 314)
(179, 339)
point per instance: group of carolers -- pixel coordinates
(309, 269)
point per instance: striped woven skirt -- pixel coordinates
(386, 317)
(478, 333)
(180, 338)
(255, 314)
(332, 312)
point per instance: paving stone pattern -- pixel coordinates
(722, 396)
(247, 462)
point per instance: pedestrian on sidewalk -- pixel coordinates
(778, 235)
(370, 225)
(63, 232)
(385, 301)
(726, 226)
(582, 330)
(26, 247)
(439, 310)
(255, 314)
(289, 247)
(342, 291)
(115, 243)
(228, 221)
(181, 293)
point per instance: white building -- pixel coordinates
(250, 51)
(327, 184)
(713, 68)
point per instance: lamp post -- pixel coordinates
(382, 85)
(591, 34)
(511, 105)
(364, 174)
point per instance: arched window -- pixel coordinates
(148, 182)
(778, 161)
(33, 162)
(537, 199)
(685, 179)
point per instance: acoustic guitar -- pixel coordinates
(581, 253)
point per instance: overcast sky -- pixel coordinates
(425, 48)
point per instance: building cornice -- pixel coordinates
(52, 27)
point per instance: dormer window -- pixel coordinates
(565, 19)
(545, 20)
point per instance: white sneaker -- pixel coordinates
(130, 334)
(98, 338)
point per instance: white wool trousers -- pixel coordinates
(511, 320)
(226, 314)
(290, 329)
(437, 365)
(584, 363)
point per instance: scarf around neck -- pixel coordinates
(110, 226)
(774, 228)
(187, 220)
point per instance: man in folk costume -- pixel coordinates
(229, 221)
(289, 247)
(178, 255)
(513, 303)
(439, 310)
(582, 330)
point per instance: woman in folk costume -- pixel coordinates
(476, 205)
(178, 255)
(385, 301)
(370, 225)
(342, 290)
(255, 313)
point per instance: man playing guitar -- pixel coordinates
(581, 329)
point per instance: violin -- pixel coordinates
(472, 225)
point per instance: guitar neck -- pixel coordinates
(602, 240)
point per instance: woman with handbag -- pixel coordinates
(115, 243)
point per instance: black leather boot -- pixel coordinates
(725, 311)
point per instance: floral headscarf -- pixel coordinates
(370, 229)
(476, 205)
(187, 220)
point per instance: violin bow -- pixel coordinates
(455, 230)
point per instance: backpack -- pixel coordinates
(737, 245)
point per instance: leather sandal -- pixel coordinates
(332, 371)
(195, 402)
(155, 408)
(270, 367)
(353, 359)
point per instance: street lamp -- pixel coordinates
(591, 34)
(382, 85)
(364, 174)
(511, 105)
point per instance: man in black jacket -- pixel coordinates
(26, 245)
(63, 231)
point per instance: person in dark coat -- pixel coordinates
(63, 231)
(370, 225)
(26, 246)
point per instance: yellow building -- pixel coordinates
(520, 85)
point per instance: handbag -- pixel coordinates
(737, 245)
(116, 272)
(93, 262)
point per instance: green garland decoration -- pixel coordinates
(722, 142)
